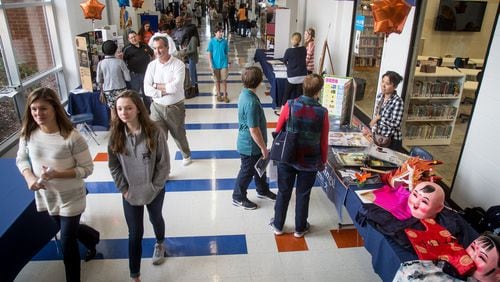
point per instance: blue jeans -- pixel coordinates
(134, 217)
(69, 243)
(137, 83)
(286, 179)
(245, 175)
(192, 72)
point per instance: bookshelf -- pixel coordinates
(431, 108)
(370, 44)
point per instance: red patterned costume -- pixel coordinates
(436, 243)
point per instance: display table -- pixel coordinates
(23, 230)
(88, 102)
(386, 254)
(277, 84)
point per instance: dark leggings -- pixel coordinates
(134, 215)
(292, 91)
(69, 243)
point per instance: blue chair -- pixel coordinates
(421, 153)
(81, 122)
(461, 62)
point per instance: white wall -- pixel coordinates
(332, 20)
(476, 183)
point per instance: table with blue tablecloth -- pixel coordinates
(23, 230)
(88, 102)
(277, 84)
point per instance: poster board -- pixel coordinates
(337, 96)
(89, 53)
(84, 63)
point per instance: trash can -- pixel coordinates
(360, 88)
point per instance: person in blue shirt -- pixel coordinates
(218, 58)
(252, 140)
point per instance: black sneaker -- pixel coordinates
(269, 195)
(245, 203)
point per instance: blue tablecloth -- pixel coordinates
(23, 230)
(89, 103)
(277, 84)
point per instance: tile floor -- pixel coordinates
(208, 238)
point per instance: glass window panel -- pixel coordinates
(49, 81)
(9, 121)
(30, 40)
(4, 81)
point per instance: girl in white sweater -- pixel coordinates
(54, 159)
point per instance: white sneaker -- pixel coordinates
(187, 161)
(159, 253)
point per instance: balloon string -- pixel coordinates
(93, 24)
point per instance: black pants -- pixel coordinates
(291, 91)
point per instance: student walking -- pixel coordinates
(139, 162)
(218, 58)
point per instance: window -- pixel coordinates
(29, 59)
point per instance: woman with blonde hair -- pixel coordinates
(54, 159)
(309, 35)
(139, 162)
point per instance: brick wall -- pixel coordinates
(30, 37)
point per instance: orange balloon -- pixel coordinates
(92, 9)
(137, 3)
(389, 15)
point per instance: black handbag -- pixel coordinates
(284, 147)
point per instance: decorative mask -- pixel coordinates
(485, 254)
(426, 200)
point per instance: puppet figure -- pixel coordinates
(426, 200)
(485, 252)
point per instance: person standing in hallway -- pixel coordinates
(218, 61)
(310, 120)
(54, 159)
(164, 82)
(190, 44)
(112, 75)
(252, 140)
(145, 32)
(309, 35)
(139, 162)
(296, 70)
(137, 56)
(388, 113)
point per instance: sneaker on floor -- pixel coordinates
(187, 161)
(226, 99)
(276, 231)
(159, 253)
(220, 99)
(298, 234)
(245, 203)
(269, 195)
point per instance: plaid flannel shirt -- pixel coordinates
(391, 116)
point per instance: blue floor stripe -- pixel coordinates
(173, 185)
(220, 106)
(191, 126)
(219, 154)
(176, 247)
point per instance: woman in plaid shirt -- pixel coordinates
(388, 112)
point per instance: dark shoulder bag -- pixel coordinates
(284, 144)
(379, 139)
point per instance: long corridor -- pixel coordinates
(209, 239)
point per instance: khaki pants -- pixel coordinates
(171, 119)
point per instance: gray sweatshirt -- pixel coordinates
(141, 172)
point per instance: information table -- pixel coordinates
(277, 84)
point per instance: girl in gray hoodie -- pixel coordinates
(139, 162)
